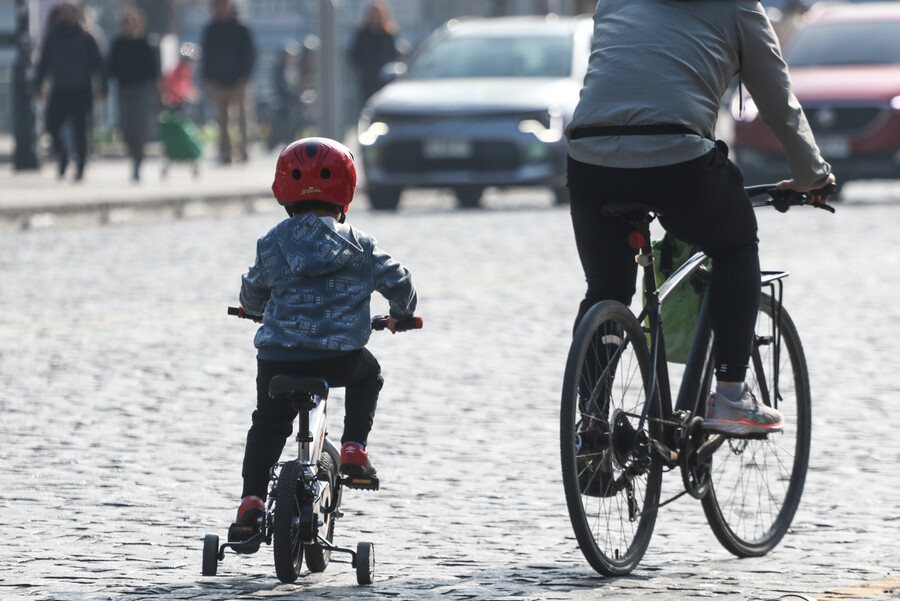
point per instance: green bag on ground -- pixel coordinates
(682, 307)
(180, 137)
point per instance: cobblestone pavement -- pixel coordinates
(127, 391)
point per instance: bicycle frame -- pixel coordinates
(697, 375)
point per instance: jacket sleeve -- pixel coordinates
(394, 282)
(765, 74)
(255, 291)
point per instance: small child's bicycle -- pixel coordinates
(305, 493)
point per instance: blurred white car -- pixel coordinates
(484, 102)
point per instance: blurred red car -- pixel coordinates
(844, 60)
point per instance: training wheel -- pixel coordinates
(365, 563)
(210, 555)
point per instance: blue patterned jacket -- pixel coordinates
(312, 282)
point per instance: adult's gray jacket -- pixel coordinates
(671, 61)
(312, 282)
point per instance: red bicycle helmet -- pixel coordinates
(315, 169)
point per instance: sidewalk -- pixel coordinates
(25, 196)
(107, 186)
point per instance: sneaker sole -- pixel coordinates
(741, 427)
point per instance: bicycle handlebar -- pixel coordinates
(402, 325)
(378, 323)
(783, 200)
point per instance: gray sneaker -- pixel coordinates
(743, 417)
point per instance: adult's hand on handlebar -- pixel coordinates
(821, 198)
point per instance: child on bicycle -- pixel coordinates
(312, 280)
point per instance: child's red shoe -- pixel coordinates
(355, 461)
(246, 526)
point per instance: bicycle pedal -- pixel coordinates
(360, 483)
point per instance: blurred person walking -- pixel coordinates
(228, 60)
(374, 45)
(70, 60)
(284, 102)
(134, 64)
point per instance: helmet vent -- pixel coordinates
(296, 174)
(326, 173)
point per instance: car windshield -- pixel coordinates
(464, 56)
(833, 44)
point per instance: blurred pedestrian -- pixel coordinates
(284, 102)
(228, 60)
(179, 90)
(70, 60)
(134, 64)
(374, 46)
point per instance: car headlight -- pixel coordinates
(370, 128)
(746, 113)
(546, 126)
(895, 103)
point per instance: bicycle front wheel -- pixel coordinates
(756, 484)
(288, 544)
(612, 489)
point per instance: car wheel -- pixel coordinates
(468, 197)
(384, 198)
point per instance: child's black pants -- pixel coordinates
(357, 371)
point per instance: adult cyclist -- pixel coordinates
(643, 131)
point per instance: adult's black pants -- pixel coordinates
(701, 202)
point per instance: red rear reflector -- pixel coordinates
(636, 240)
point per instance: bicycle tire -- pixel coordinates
(612, 526)
(756, 484)
(317, 556)
(287, 546)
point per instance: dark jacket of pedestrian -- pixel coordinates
(70, 58)
(374, 46)
(228, 52)
(132, 62)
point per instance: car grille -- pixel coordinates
(406, 156)
(828, 120)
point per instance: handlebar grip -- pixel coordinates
(239, 311)
(411, 323)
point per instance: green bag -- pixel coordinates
(682, 307)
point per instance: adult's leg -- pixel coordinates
(601, 241)
(706, 206)
(55, 117)
(81, 108)
(221, 106)
(242, 96)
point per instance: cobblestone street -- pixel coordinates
(127, 393)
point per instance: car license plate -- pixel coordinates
(446, 148)
(834, 147)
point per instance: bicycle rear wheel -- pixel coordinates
(612, 492)
(756, 484)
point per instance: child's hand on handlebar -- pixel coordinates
(392, 325)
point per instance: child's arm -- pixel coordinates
(394, 282)
(255, 292)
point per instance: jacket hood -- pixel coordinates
(314, 248)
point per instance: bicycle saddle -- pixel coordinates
(283, 386)
(632, 212)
